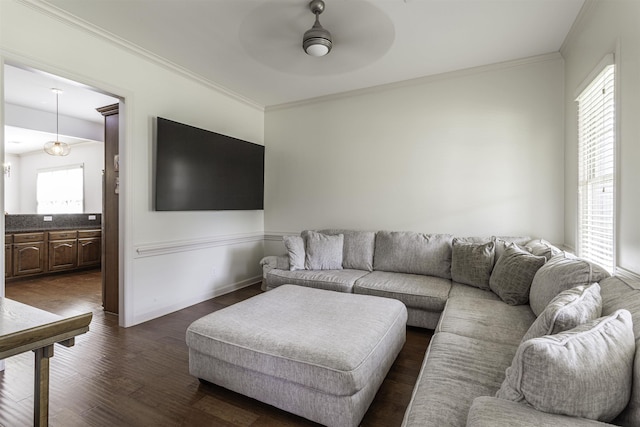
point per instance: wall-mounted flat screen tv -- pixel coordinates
(196, 169)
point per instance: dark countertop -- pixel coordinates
(27, 223)
(37, 230)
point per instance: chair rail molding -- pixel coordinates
(169, 247)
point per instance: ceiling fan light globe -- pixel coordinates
(317, 49)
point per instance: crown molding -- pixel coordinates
(419, 81)
(585, 10)
(65, 17)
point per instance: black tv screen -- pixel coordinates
(198, 169)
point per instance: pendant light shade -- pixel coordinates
(317, 40)
(57, 147)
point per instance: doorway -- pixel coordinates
(64, 243)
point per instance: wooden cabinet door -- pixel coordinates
(63, 254)
(89, 251)
(28, 258)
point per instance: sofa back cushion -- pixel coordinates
(562, 272)
(413, 253)
(624, 293)
(358, 248)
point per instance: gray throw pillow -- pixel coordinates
(512, 276)
(472, 263)
(324, 252)
(358, 248)
(567, 310)
(562, 272)
(295, 249)
(584, 372)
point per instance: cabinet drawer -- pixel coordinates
(63, 235)
(8, 238)
(88, 233)
(28, 237)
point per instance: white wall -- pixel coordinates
(608, 27)
(477, 152)
(12, 184)
(24, 173)
(165, 280)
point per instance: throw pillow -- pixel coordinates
(543, 248)
(295, 249)
(560, 273)
(358, 248)
(567, 310)
(472, 263)
(503, 241)
(324, 252)
(584, 372)
(512, 276)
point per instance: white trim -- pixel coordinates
(577, 23)
(419, 81)
(608, 59)
(276, 236)
(154, 314)
(165, 248)
(67, 18)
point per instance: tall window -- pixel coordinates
(596, 169)
(60, 190)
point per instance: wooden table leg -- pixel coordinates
(41, 386)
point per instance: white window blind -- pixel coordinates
(60, 190)
(596, 169)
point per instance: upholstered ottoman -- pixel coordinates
(315, 353)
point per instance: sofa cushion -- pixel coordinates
(456, 370)
(358, 248)
(489, 411)
(413, 253)
(541, 247)
(296, 252)
(332, 280)
(323, 252)
(460, 290)
(490, 320)
(560, 273)
(617, 293)
(513, 274)
(567, 310)
(415, 291)
(471, 263)
(585, 372)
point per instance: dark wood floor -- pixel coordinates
(139, 376)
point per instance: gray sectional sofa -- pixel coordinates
(525, 334)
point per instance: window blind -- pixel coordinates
(596, 170)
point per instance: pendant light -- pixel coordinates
(57, 147)
(317, 40)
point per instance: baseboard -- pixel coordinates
(153, 314)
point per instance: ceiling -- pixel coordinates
(253, 47)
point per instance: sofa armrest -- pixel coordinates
(268, 263)
(493, 412)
